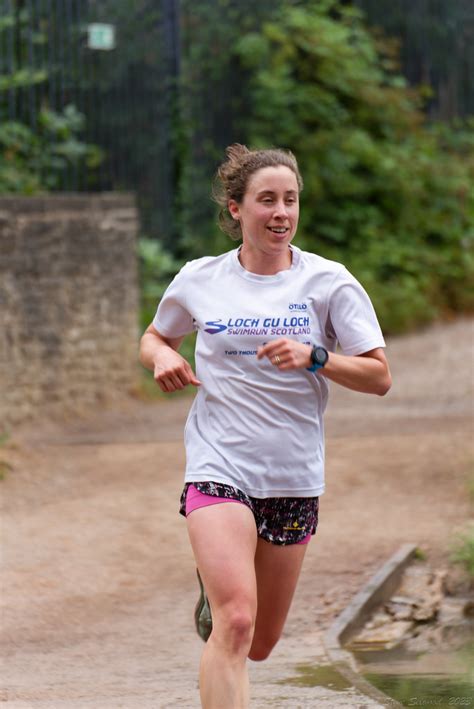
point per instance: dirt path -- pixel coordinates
(98, 582)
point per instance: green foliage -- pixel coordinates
(384, 193)
(35, 157)
(21, 79)
(463, 552)
(34, 161)
(157, 268)
(16, 33)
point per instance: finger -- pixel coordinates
(267, 350)
(164, 384)
(191, 377)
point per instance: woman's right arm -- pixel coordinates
(160, 354)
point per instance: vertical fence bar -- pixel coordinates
(84, 80)
(51, 49)
(30, 90)
(76, 20)
(70, 78)
(11, 61)
(3, 56)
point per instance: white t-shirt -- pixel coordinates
(251, 425)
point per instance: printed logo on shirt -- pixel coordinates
(295, 325)
(215, 327)
(297, 306)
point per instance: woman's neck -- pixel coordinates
(265, 264)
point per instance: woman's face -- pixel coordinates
(269, 211)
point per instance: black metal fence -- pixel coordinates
(116, 62)
(437, 48)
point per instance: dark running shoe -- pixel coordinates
(202, 613)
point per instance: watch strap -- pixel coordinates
(314, 367)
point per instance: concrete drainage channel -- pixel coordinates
(378, 590)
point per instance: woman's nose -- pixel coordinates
(280, 209)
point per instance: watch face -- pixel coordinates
(320, 356)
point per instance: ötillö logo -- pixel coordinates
(215, 327)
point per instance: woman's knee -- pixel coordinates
(234, 626)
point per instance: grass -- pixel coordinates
(5, 467)
(463, 551)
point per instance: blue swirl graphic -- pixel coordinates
(215, 327)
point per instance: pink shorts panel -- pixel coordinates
(196, 499)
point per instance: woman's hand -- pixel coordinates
(286, 354)
(170, 370)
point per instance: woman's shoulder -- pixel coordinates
(205, 264)
(320, 264)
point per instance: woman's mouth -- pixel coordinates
(280, 230)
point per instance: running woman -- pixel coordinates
(268, 318)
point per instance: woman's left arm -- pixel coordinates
(368, 372)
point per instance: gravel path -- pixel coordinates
(98, 580)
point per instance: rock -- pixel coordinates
(425, 590)
(468, 609)
(452, 611)
(400, 607)
(383, 636)
(420, 598)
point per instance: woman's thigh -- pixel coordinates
(224, 540)
(277, 570)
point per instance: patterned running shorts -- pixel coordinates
(279, 520)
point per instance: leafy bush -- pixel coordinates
(35, 161)
(385, 193)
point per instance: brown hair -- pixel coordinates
(233, 176)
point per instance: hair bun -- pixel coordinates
(237, 152)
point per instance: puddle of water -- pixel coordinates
(318, 676)
(431, 679)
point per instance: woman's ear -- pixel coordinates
(233, 208)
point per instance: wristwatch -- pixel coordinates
(319, 357)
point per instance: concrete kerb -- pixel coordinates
(379, 589)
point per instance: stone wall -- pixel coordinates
(68, 302)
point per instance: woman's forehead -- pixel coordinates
(274, 179)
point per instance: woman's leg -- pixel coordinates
(277, 570)
(224, 539)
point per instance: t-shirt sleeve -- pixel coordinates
(173, 318)
(351, 317)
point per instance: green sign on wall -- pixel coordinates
(100, 36)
